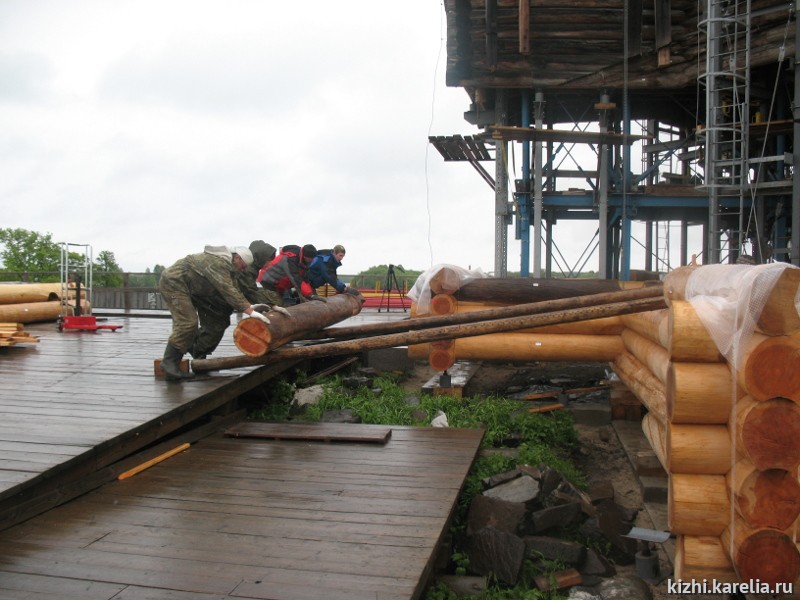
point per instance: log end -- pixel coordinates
(769, 499)
(768, 555)
(769, 433)
(252, 337)
(443, 304)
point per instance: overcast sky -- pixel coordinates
(152, 128)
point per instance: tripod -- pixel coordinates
(391, 285)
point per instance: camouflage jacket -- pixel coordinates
(211, 280)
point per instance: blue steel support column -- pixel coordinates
(625, 262)
(525, 199)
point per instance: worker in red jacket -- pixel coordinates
(286, 272)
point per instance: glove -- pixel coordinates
(259, 316)
(315, 297)
(352, 291)
(261, 308)
(282, 310)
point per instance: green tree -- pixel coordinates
(376, 277)
(106, 270)
(26, 251)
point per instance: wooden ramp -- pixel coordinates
(252, 518)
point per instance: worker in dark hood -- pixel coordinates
(287, 271)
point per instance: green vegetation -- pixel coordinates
(540, 439)
(375, 278)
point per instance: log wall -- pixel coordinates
(728, 437)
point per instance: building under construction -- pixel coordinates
(673, 114)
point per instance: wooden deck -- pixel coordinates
(229, 517)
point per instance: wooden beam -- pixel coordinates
(524, 27)
(529, 134)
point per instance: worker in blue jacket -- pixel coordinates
(323, 269)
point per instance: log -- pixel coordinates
(432, 335)
(689, 340)
(442, 355)
(780, 314)
(768, 433)
(34, 312)
(517, 290)
(698, 504)
(766, 554)
(656, 435)
(499, 312)
(646, 386)
(648, 353)
(255, 337)
(700, 393)
(702, 557)
(607, 326)
(768, 498)
(652, 325)
(24, 293)
(769, 367)
(527, 347)
(698, 449)
(446, 281)
(675, 283)
(443, 304)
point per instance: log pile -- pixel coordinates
(586, 340)
(12, 334)
(34, 302)
(726, 429)
(725, 424)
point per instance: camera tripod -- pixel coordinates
(391, 285)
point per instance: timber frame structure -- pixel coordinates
(687, 110)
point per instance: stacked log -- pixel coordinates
(727, 432)
(33, 302)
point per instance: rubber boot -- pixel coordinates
(171, 364)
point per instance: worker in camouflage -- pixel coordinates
(214, 312)
(190, 283)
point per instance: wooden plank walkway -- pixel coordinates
(252, 518)
(79, 401)
(227, 518)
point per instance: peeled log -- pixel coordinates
(689, 340)
(702, 557)
(700, 393)
(780, 316)
(443, 355)
(255, 337)
(698, 449)
(645, 386)
(443, 304)
(760, 553)
(768, 498)
(675, 283)
(653, 325)
(33, 312)
(526, 347)
(23, 293)
(769, 367)
(648, 353)
(768, 432)
(698, 504)
(656, 434)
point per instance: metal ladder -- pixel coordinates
(726, 25)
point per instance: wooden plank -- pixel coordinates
(327, 432)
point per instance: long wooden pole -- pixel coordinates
(501, 312)
(431, 335)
